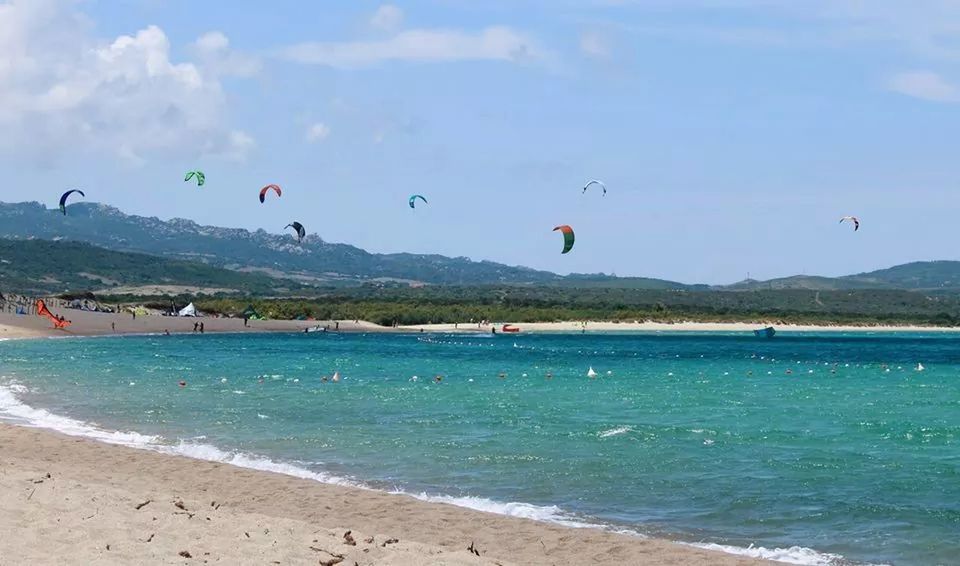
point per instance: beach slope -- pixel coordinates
(67, 500)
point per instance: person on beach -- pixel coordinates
(195, 326)
(246, 321)
(113, 326)
(134, 314)
(166, 333)
(201, 328)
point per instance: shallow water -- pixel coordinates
(701, 438)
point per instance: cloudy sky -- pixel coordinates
(732, 134)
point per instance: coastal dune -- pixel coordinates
(67, 500)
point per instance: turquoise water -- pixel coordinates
(698, 438)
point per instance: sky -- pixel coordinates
(732, 135)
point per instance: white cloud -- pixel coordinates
(594, 45)
(61, 89)
(928, 28)
(317, 132)
(421, 45)
(213, 51)
(925, 85)
(387, 18)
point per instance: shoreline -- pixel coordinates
(87, 323)
(573, 327)
(51, 482)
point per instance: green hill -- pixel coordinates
(316, 261)
(922, 275)
(45, 267)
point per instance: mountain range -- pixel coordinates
(230, 253)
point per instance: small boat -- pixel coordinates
(767, 332)
(591, 374)
(509, 328)
(920, 367)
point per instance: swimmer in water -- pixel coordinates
(438, 379)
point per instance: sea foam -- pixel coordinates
(13, 410)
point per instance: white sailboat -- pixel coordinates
(591, 374)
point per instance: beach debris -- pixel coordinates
(140, 506)
(198, 175)
(568, 237)
(150, 538)
(473, 549)
(301, 231)
(274, 188)
(64, 196)
(247, 535)
(413, 200)
(179, 505)
(368, 540)
(348, 539)
(597, 182)
(336, 559)
(185, 554)
(29, 497)
(390, 541)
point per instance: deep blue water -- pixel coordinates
(830, 442)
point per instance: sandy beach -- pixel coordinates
(66, 500)
(592, 326)
(86, 323)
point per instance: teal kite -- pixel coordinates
(413, 200)
(198, 175)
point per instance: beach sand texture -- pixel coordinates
(66, 500)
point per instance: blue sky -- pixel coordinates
(732, 134)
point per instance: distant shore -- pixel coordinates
(580, 327)
(85, 323)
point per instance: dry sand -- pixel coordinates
(577, 327)
(93, 324)
(66, 500)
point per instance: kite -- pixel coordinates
(58, 323)
(595, 182)
(854, 219)
(63, 199)
(568, 237)
(263, 192)
(413, 200)
(301, 231)
(198, 175)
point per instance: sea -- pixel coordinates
(832, 448)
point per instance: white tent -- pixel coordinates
(189, 310)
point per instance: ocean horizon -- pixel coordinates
(807, 448)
